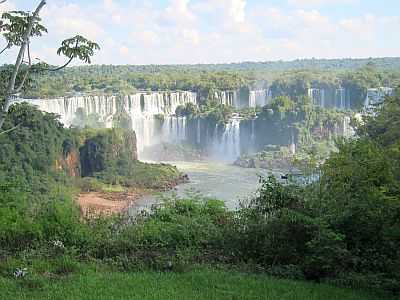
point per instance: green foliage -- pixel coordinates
(282, 104)
(382, 126)
(188, 110)
(108, 149)
(216, 113)
(290, 79)
(25, 222)
(31, 150)
(78, 47)
(14, 25)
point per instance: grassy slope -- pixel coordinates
(90, 283)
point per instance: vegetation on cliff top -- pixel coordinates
(42, 151)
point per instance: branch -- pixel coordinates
(11, 84)
(62, 67)
(65, 65)
(17, 90)
(1, 2)
(5, 48)
(11, 129)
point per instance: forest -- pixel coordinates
(205, 80)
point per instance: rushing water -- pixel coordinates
(213, 180)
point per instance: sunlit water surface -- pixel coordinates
(217, 180)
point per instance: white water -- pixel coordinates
(227, 147)
(318, 96)
(227, 98)
(376, 96)
(142, 107)
(258, 98)
(340, 98)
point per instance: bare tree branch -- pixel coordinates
(17, 90)
(9, 130)
(3, 1)
(62, 67)
(11, 84)
(5, 48)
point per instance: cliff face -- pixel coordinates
(108, 149)
(72, 164)
(69, 162)
(130, 146)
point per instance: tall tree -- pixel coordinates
(17, 28)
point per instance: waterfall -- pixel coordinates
(198, 132)
(322, 92)
(174, 129)
(253, 134)
(227, 146)
(227, 98)
(340, 98)
(144, 109)
(376, 96)
(66, 107)
(317, 96)
(231, 140)
(258, 98)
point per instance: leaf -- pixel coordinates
(14, 24)
(78, 47)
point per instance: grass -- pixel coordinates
(94, 282)
(109, 188)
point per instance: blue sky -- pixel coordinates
(217, 31)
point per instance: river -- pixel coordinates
(216, 180)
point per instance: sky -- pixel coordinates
(217, 31)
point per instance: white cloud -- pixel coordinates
(192, 31)
(314, 3)
(145, 37)
(7, 6)
(124, 50)
(191, 35)
(178, 12)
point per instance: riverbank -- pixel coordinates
(97, 203)
(112, 194)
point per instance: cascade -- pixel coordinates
(198, 132)
(67, 107)
(174, 129)
(227, 147)
(347, 130)
(376, 96)
(258, 98)
(227, 98)
(253, 134)
(144, 109)
(231, 139)
(317, 96)
(322, 92)
(340, 98)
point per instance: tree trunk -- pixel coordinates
(11, 84)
